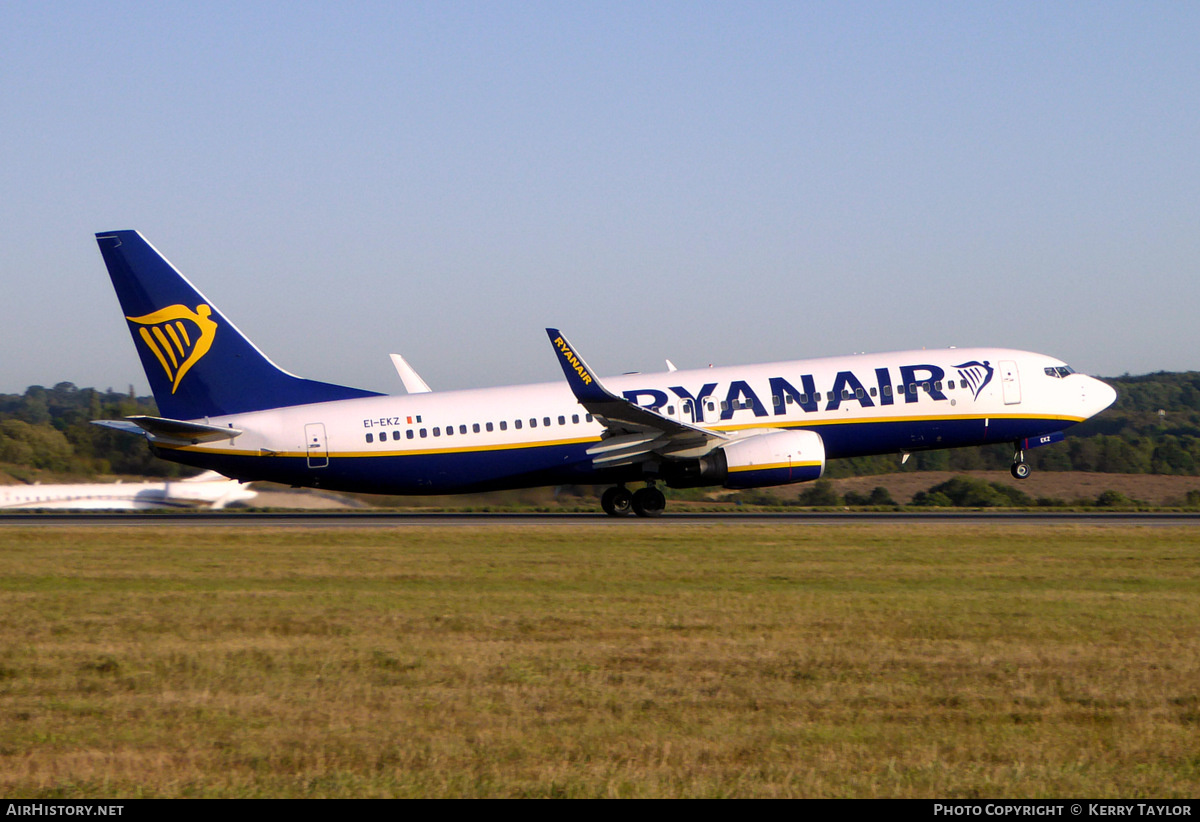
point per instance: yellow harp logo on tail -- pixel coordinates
(178, 337)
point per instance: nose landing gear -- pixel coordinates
(1020, 469)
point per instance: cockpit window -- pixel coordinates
(1058, 371)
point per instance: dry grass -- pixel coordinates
(658, 659)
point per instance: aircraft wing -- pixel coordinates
(632, 432)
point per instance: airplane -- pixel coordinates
(208, 488)
(225, 406)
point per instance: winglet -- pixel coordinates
(584, 384)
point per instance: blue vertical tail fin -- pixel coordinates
(198, 363)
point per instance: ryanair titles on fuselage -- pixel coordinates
(914, 380)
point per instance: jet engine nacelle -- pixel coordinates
(777, 458)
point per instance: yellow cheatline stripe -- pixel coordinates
(552, 443)
(804, 423)
(774, 466)
(406, 453)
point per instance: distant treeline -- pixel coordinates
(50, 429)
(1154, 428)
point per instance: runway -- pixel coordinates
(393, 519)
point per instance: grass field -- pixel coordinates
(644, 660)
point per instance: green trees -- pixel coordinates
(965, 492)
(50, 429)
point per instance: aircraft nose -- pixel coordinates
(1097, 396)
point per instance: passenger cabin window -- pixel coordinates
(575, 418)
(370, 438)
(409, 433)
(517, 424)
(503, 425)
(488, 427)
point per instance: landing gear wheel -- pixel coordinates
(649, 502)
(617, 502)
(1021, 470)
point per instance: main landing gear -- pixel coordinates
(1020, 469)
(645, 502)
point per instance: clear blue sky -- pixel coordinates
(709, 182)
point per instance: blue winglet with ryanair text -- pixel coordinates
(580, 377)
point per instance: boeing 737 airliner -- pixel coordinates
(225, 406)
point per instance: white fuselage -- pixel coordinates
(538, 434)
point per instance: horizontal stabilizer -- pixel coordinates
(123, 426)
(161, 429)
